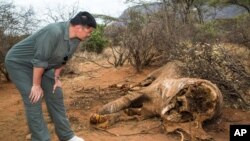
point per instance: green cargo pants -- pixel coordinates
(21, 75)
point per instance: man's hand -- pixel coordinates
(36, 90)
(57, 78)
(36, 93)
(58, 83)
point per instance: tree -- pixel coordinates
(15, 24)
(61, 12)
(138, 39)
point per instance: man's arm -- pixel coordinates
(58, 71)
(36, 90)
(37, 76)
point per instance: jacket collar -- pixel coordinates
(66, 31)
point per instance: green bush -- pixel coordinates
(97, 42)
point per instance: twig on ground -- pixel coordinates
(182, 136)
(92, 61)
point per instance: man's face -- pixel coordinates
(84, 32)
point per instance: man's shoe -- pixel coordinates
(75, 138)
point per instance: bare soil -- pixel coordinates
(84, 93)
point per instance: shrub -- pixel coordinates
(97, 42)
(241, 33)
(207, 32)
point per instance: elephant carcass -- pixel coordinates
(183, 103)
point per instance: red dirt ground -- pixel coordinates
(13, 124)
